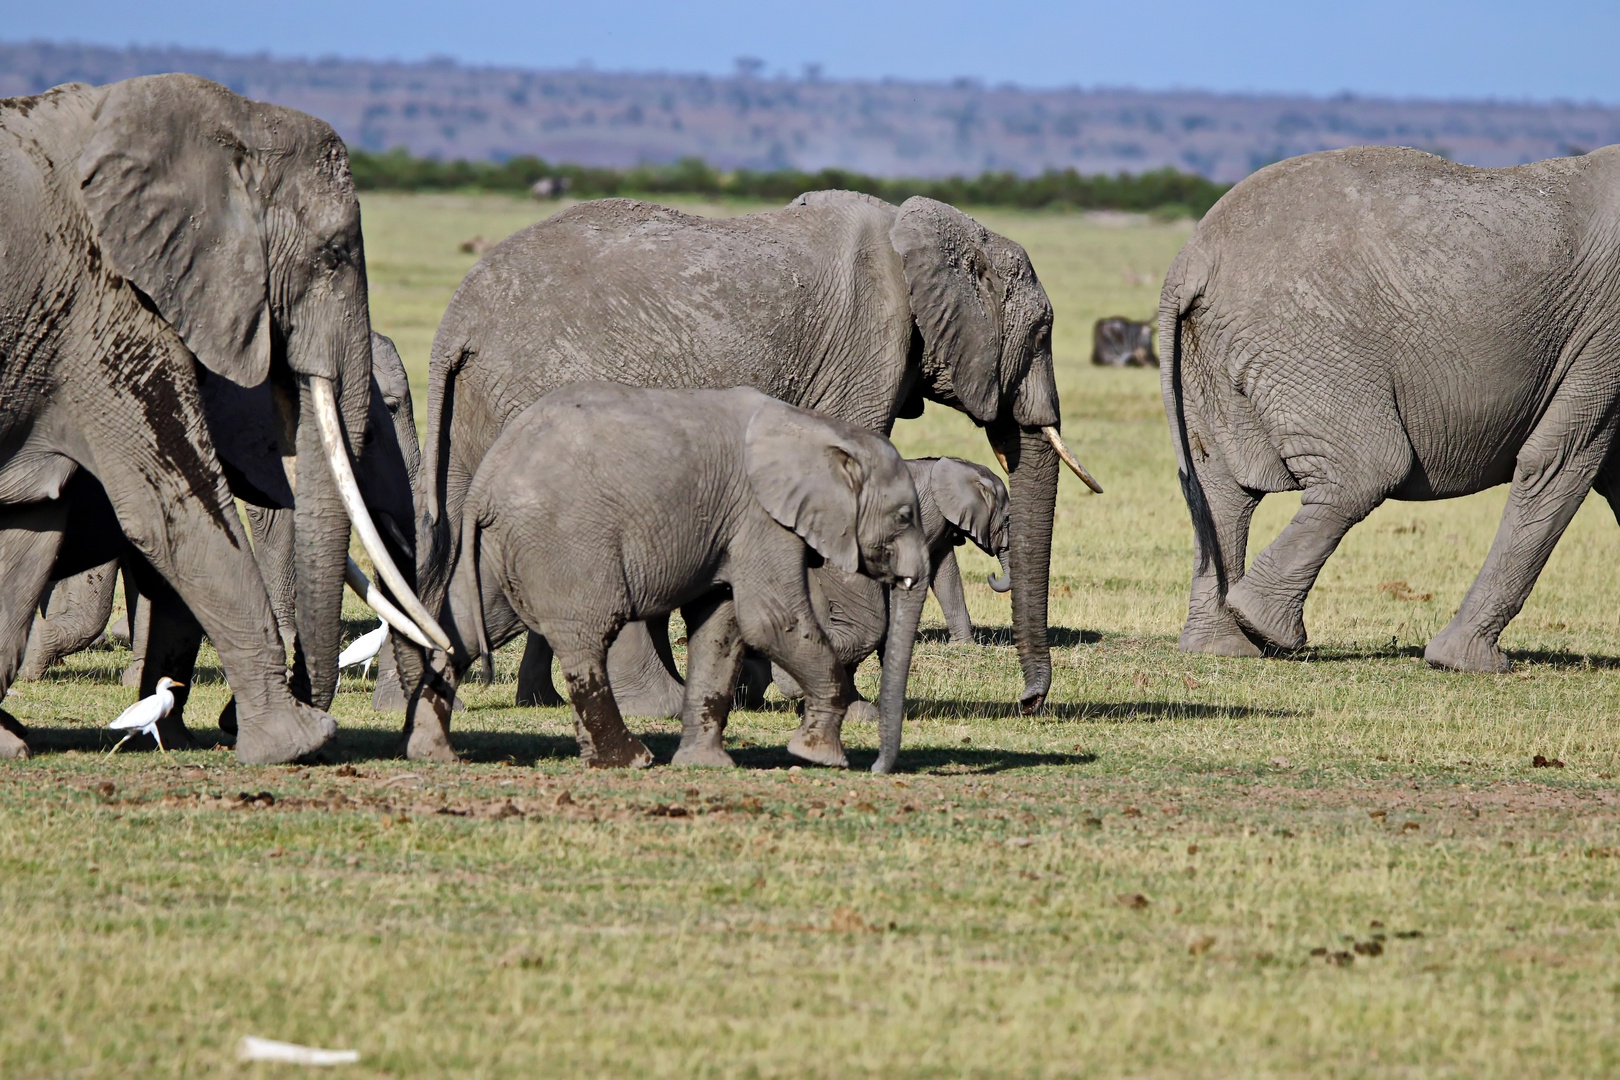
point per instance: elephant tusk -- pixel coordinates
(1069, 459)
(374, 598)
(1001, 455)
(337, 455)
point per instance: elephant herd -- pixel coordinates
(634, 411)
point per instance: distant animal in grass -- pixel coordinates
(1119, 342)
(143, 717)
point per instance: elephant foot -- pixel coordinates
(1263, 618)
(1228, 641)
(38, 657)
(862, 712)
(427, 744)
(118, 632)
(1459, 649)
(618, 750)
(13, 739)
(819, 745)
(132, 673)
(706, 753)
(285, 735)
(543, 697)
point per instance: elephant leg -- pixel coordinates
(947, 586)
(753, 679)
(1269, 601)
(641, 667)
(74, 620)
(534, 685)
(714, 652)
(1550, 480)
(140, 628)
(789, 634)
(604, 741)
(29, 539)
(273, 541)
(1221, 511)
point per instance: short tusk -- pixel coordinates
(1001, 456)
(374, 598)
(337, 455)
(1069, 459)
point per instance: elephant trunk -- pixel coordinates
(1003, 581)
(1032, 479)
(905, 610)
(320, 544)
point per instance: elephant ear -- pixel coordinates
(955, 299)
(968, 496)
(808, 478)
(167, 180)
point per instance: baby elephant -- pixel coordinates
(960, 501)
(602, 504)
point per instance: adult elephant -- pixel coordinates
(1380, 323)
(184, 319)
(840, 302)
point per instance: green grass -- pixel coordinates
(976, 917)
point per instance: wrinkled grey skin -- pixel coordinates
(1380, 323)
(386, 470)
(179, 262)
(840, 303)
(959, 501)
(73, 616)
(602, 504)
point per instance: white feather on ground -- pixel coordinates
(253, 1048)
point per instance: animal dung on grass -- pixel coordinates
(1541, 762)
(1400, 590)
(1133, 900)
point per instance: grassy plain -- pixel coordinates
(1341, 864)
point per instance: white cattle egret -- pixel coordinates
(142, 717)
(364, 649)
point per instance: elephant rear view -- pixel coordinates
(1381, 323)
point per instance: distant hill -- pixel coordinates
(887, 128)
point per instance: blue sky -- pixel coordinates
(1404, 48)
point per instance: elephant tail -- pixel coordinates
(1183, 286)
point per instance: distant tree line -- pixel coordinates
(1165, 192)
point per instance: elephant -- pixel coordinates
(840, 302)
(73, 616)
(960, 501)
(602, 504)
(185, 322)
(1378, 323)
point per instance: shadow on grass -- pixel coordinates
(1562, 659)
(1059, 637)
(1145, 711)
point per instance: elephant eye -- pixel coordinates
(904, 514)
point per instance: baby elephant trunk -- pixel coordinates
(1001, 582)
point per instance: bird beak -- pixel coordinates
(173, 683)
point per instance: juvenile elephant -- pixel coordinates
(182, 315)
(1381, 323)
(840, 303)
(602, 504)
(959, 501)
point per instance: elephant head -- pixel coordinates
(985, 325)
(974, 501)
(238, 223)
(844, 490)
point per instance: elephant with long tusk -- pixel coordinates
(184, 316)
